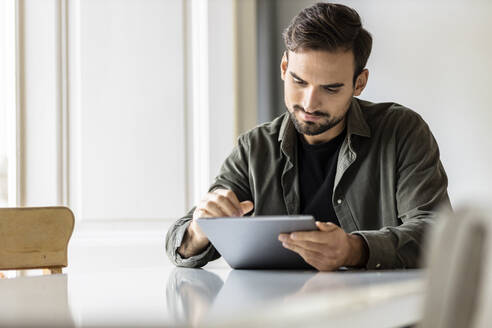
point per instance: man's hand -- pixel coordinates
(218, 203)
(328, 248)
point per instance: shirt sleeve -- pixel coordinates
(421, 191)
(233, 175)
(174, 238)
(234, 172)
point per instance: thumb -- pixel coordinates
(246, 206)
(326, 226)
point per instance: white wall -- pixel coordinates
(131, 130)
(106, 97)
(434, 57)
(109, 109)
(102, 98)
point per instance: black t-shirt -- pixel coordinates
(317, 169)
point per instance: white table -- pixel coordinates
(119, 275)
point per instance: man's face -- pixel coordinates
(318, 87)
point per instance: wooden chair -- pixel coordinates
(35, 238)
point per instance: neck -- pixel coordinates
(327, 135)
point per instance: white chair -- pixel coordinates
(459, 265)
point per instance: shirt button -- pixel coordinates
(378, 265)
(339, 201)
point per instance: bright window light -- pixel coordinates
(8, 103)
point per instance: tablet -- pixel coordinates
(252, 242)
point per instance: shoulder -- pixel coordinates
(390, 116)
(394, 126)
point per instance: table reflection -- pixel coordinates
(190, 293)
(196, 296)
(35, 301)
(191, 297)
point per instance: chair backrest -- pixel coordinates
(35, 237)
(459, 284)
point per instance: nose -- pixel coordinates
(311, 101)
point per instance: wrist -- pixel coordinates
(196, 237)
(192, 244)
(359, 253)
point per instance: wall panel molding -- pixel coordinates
(246, 74)
(62, 87)
(73, 118)
(10, 98)
(38, 128)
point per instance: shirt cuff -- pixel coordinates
(382, 252)
(192, 261)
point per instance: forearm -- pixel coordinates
(397, 247)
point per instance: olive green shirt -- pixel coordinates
(389, 182)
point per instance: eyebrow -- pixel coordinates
(332, 85)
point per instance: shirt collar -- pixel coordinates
(356, 123)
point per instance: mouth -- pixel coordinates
(308, 117)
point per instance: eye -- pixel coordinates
(297, 81)
(331, 90)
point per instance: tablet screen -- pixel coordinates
(252, 242)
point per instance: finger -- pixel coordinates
(309, 245)
(317, 260)
(304, 253)
(284, 237)
(211, 207)
(313, 236)
(229, 194)
(327, 240)
(225, 204)
(201, 213)
(328, 249)
(312, 258)
(316, 235)
(247, 206)
(326, 226)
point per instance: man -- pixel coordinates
(369, 173)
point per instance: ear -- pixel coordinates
(361, 82)
(283, 66)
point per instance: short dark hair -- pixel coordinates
(329, 26)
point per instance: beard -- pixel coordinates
(309, 128)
